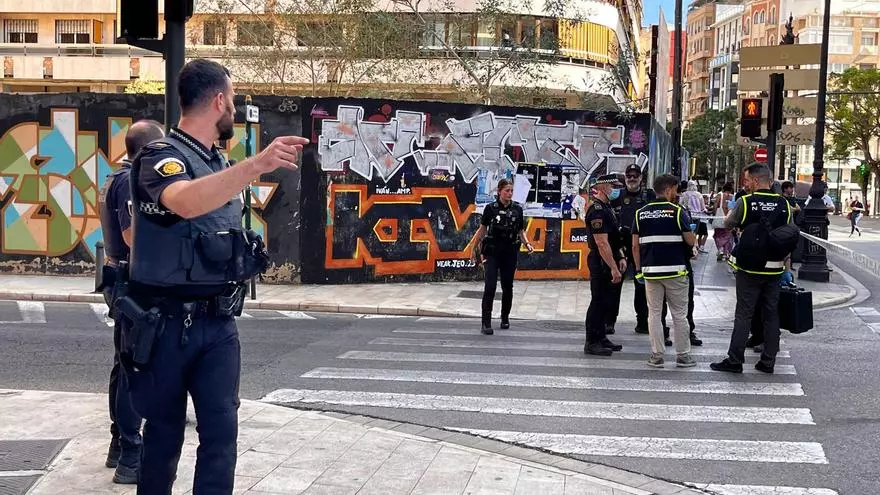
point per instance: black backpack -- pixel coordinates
(760, 243)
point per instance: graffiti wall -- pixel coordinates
(394, 190)
(57, 150)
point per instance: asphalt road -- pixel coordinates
(691, 426)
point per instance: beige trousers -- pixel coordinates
(676, 292)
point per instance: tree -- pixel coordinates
(141, 86)
(853, 121)
(330, 48)
(710, 139)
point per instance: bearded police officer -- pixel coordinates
(661, 232)
(631, 199)
(758, 269)
(189, 259)
(114, 206)
(607, 265)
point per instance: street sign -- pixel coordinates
(789, 135)
(761, 155)
(779, 55)
(759, 80)
(252, 114)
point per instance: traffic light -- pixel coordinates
(137, 19)
(774, 105)
(750, 118)
(178, 10)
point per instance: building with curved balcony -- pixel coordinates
(459, 52)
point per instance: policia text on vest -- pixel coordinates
(189, 259)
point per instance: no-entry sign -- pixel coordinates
(761, 155)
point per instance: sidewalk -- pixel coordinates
(715, 297)
(55, 442)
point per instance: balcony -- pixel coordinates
(723, 59)
(110, 63)
(868, 50)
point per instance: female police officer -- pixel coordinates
(503, 220)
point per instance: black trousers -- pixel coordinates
(503, 262)
(207, 364)
(640, 301)
(604, 299)
(125, 422)
(753, 292)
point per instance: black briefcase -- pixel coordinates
(795, 309)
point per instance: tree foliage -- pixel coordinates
(711, 137)
(141, 86)
(853, 118)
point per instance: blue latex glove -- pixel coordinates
(640, 278)
(693, 227)
(787, 279)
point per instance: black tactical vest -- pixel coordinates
(660, 241)
(114, 244)
(761, 206)
(198, 251)
(504, 226)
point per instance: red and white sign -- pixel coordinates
(761, 155)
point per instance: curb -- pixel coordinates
(325, 307)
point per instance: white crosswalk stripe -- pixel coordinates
(297, 315)
(101, 310)
(534, 387)
(641, 349)
(550, 362)
(32, 311)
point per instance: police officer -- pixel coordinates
(607, 264)
(188, 263)
(756, 286)
(499, 237)
(660, 232)
(631, 199)
(114, 206)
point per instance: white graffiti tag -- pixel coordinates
(472, 144)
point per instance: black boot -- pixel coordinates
(487, 329)
(727, 366)
(642, 328)
(113, 454)
(597, 349)
(611, 345)
(696, 342)
(609, 330)
(505, 323)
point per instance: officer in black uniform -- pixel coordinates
(500, 236)
(189, 259)
(114, 206)
(607, 264)
(757, 274)
(631, 199)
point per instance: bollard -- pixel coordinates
(99, 264)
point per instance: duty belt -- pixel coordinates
(230, 304)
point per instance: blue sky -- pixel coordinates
(651, 11)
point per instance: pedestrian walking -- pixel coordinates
(661, 236)
(695, 204)
(500, 237)
(722, 236)
(607, 264)
(631, 199)
(189, 261)
(856, 209)
(114, 206)
(759, 265)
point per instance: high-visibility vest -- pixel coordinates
(661, 245)
(763, 204)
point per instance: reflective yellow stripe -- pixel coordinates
(743, 198)
(664, 277)
(732, 262)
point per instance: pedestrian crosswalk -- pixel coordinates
(535, 387)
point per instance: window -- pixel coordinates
(772, 15)
(840, 43)
(72, 31)
(20, 30)
(837, 68)
(866, 66)
(549, 35)
(841, 21)
(485, 34)
(435, 33)
(746, 27)
(255, 33)
(214, 32)
(529, 33)
(869, 39)
(870, 22)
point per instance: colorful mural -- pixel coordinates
(403, 185)
(55, 158)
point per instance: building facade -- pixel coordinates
(699, 52)
(724, 65)
(69, 46)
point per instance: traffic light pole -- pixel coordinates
(676, 91)
(815, 265)
(175, 44)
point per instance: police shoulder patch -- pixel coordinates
(596, 224)
(168, 167)
(158, 145)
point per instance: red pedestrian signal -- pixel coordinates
(750, 118)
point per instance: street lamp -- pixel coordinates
(815, 265)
